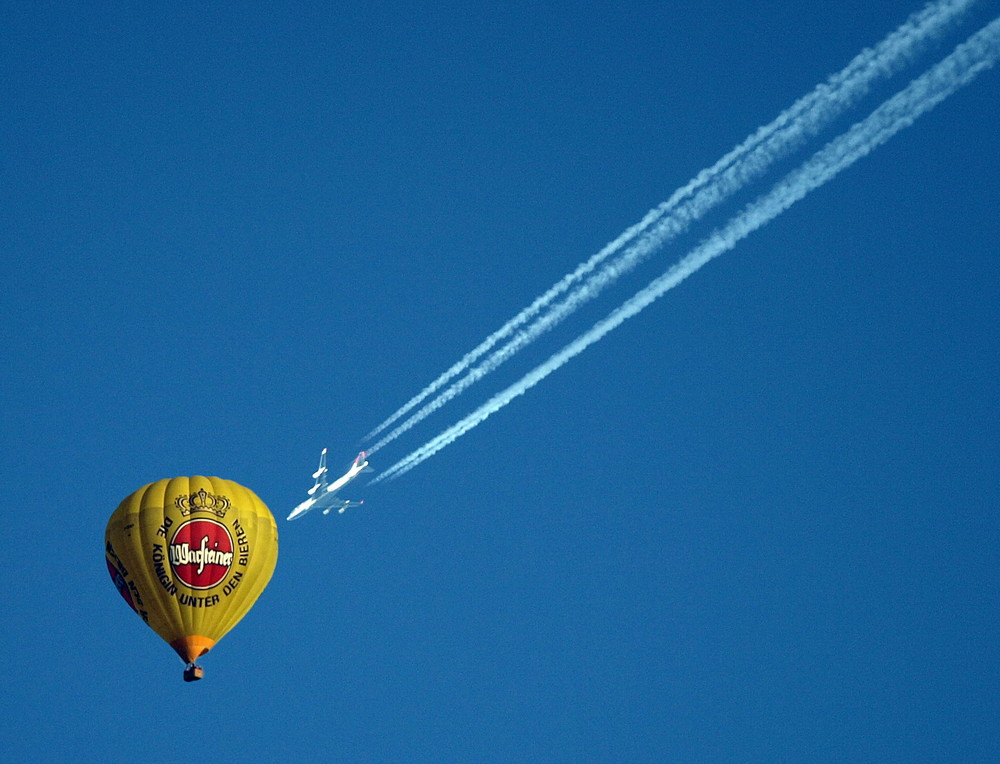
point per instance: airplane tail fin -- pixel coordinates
(362, 458)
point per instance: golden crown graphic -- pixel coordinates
(202, 501)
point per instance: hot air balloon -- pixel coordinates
(191, 555)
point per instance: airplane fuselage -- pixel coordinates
(340, 482)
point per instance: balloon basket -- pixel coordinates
(193, 673)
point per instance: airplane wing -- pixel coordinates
(320, 475)
(342, 506)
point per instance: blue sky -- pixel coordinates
(757, 522)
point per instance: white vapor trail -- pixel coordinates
(745, 163)
(969, 59)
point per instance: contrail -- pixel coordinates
(745, 163)
(969, 59)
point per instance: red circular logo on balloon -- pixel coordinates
(201, 553)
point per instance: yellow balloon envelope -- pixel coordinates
(191, 555)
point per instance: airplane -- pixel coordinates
(324, 494)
